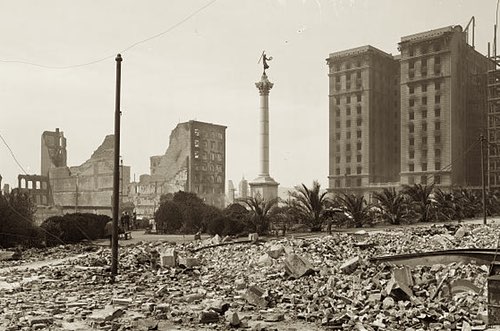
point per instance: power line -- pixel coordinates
(12, 154)
(191, 15)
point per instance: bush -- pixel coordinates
(225, 226)
(73, 228)
(168, 218)
(16, 221)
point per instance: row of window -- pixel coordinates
(348, 159)
(204, 156)
(359, 121)
(423, 87)
(348, 147)
(425, 48)
(411, 166)
(211, 134)
(208, 167)
(347, 65)
(423, 152)
(348, 110)
(348, 135)
(411, 127)
(219, 145)
(348, 99)
(423, 62)
(437, 140)
(437, 100)
(199, 178)
(348, 171)
(437, 113)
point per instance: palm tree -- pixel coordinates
(467, 203)
(309, 204)
(445, 206)
(420, 200)
(357, 209)
(259, 212)
(393, 205)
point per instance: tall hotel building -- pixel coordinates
(364, 119)
(411, 119)
(443, 108)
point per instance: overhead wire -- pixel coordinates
(169, 29)
(12, 154)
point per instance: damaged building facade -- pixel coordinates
(194, 162)
(89, 186)
(62, 189)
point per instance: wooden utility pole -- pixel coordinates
(481, 141)
(116, 171)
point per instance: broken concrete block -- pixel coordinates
(168, 258)
(350, 265)
(121, 301)
(240, 283)
(388, 303)
(9, 255)
(232, 317)
(256, 296)
(397, 291)
(209, 317)
(40, 320)
(297, 266)
(219, 306)
(460, 233)
(107, 314)
(403, 276)
(265, 260)
(277, 317)
(216, 240)
(188, 262)
(193, 297)
(276, 251)
(253, 237)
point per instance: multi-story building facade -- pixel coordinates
(364, 119)
(443, 108)
(195, 161)
(411, 119)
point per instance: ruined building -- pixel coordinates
(411, 119)
(89, 186)
(195, 161)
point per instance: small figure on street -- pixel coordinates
(126, 221)
(329, 226)
(108, 231)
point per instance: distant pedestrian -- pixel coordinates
(108, 231)
(329, 226)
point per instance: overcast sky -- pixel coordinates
(202, 69)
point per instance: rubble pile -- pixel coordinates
(323, 283)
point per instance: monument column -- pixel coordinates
(264, 87)
(264, 185)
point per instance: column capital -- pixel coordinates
(264, 85)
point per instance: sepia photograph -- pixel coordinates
(265, 165)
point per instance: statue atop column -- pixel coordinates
(264, 59)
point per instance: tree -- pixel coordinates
(192, 209)
(259, 214)
(420, 201)
(393, 206)
(467, 203)
(445, 206)
(17, 225)
(357, 209)
(168, 217)
(309, 204)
